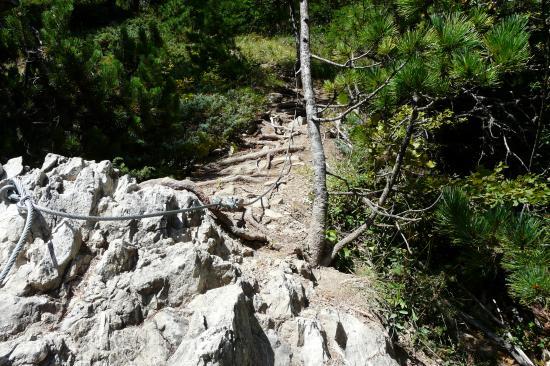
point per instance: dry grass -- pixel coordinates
(277, 51)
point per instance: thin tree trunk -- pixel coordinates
(544, 89)
(296, 42)
(316, 237)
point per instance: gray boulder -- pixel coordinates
(169, 290)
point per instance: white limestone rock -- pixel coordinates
(168, 290)
(13, 167)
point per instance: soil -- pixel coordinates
(283, 213)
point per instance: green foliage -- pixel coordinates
(278, 50)
(162, 84)
(470, 65)
(159, 88)
(411, 10)
(519, 240)
(492, 188)
(454, 217)
(142, 174)
(444, 46)
(508, 42)
(456, 32)
(271, 56)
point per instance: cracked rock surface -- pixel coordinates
(173, 290)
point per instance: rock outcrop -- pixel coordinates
(173, 290)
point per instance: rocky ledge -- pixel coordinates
(172, 290)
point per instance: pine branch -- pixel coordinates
(365, 100)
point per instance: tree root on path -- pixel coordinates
(270, 137)
(258, 154)
(224, 220)
(233, 178)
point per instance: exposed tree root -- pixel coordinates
(234, 178)
(514, 350)
(224, 220)
(271, 137)
(258, 154)
(262, 143)
(249, 218)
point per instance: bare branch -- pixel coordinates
(339, 178)
(510, 152)
(425, 208)
(404, 238)
(381, 212)
(514, 350)
(353, 193)
(348, 64)
(387, 189)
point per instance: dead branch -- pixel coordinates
(346, 182)
(381, 212)
(353, 193)
(348, 64)
(404, 238)
(423, 209)
(482, 306)
(390, 182)
(510, 152)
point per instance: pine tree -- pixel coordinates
(426, 55)
(498, 238)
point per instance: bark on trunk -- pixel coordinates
(316, 237)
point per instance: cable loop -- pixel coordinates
(20, 197)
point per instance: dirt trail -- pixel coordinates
(283, 212)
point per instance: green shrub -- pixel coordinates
(156, 84)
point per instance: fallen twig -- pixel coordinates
(516, 352)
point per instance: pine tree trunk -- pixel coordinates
(316, 237)
(296, 32)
